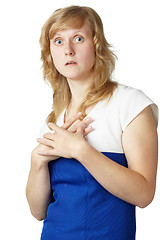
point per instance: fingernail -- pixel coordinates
(89, 119)
(79, 113)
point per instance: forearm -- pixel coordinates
(38, 190)
(122, 182)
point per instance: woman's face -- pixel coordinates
(73, 52)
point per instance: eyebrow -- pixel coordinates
(75, 32)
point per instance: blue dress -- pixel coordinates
(81, 208)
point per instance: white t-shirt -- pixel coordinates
(111, 118)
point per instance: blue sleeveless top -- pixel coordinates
(81, 208)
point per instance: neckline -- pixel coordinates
(90, 113)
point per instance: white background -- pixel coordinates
(131, 26)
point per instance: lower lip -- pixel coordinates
(69, 65)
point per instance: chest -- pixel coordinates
(71, 111)
(107, 131)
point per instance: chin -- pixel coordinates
(73, 77)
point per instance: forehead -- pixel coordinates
(85, 29)
(72, 25)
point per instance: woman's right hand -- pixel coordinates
(38, 190)
(71, 125)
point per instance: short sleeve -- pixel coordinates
(133, 102)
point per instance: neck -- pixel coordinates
(78, 90)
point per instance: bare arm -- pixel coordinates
(38, 190)
(135, 184)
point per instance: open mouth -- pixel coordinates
(70, 63)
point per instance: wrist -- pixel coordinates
(81, 151)
(37, 163)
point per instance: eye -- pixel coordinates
(79, 39)
(58, 41)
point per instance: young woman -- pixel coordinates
(97, 154)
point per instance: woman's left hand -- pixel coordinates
(63, 143)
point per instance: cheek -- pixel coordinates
(56, 59)
(54, 55)
(89, 56)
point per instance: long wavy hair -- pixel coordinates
(102, 85)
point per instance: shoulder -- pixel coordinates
(124, 91)
(131, 102)
(122, 94)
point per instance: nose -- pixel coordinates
(69, 50)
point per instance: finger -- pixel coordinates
(46, 142)
(68, 123)
(46, 153)
(80, 129)
(74, 126)
(49, 136)
(88, 130)
(87, 121)
(54, 127)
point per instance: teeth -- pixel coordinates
(70, 63)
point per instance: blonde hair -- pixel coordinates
(102, 85)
